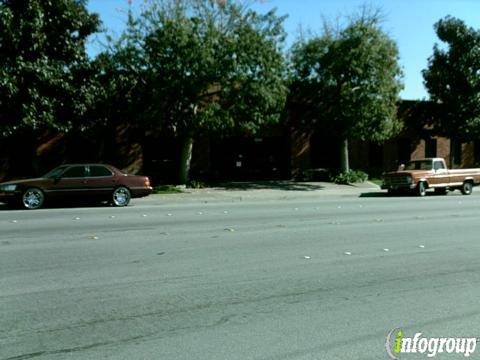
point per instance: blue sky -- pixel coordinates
(409, 22)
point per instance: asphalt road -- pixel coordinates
(296, 277)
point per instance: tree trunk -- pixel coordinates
(344, 162)
(185, 159)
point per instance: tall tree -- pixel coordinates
(46, 80)
(214, 66)
(122, 73)
(452, 79)
(347, 82)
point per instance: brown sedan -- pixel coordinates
(76, 181)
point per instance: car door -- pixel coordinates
(441, 176)
(72, 183)
(101, 180)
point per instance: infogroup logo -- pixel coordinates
(397, 343)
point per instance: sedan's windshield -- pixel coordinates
(419, 165)
(55, 172)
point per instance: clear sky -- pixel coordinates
(409, 22)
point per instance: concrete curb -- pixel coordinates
(264, 192)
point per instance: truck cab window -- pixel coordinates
(438, 165)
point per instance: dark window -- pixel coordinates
(419, 165)
(430, 148)
(404, 150)
(55, 172)
(375, 155)
(74, 172)
(323, 151)
(477, 151)
(457, 152)
(98, 171)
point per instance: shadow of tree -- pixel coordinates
(376, 194)
(59, 205)
(270, 185)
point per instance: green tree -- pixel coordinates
(121, 106)
(346, 82)
(214, 66)
(452, 79)
(46, 79)
(122, 74)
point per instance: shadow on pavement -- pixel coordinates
(270, 185)
(376, 194)
(58, 205)
(379, 194)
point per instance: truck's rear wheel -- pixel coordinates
(467, 188)
(421, 188)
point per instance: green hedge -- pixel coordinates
(350, 177)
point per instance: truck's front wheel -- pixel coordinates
(467, 188)
(421, 188)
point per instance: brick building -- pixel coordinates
(318, 151)
(280, 152)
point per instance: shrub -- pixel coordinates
(350, 177)
(196, 184)
(166, 189)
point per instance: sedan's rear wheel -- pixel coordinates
(121, 196)
(33, 198)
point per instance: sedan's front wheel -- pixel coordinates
(121, 196)
(33, 198)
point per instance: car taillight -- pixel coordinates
(147, 182)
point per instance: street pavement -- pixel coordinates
(286, 274)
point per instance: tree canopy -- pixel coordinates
(122, 74)
(215, 65)
(211, 66)
(452, 79)
(46, 80)
(346, 82)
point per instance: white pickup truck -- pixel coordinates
(432, 173)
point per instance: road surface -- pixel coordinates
(281, 278)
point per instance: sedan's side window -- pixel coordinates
(99, 171)
(74, 172)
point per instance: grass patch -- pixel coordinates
(166, 189)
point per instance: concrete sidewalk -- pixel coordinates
(267, 190)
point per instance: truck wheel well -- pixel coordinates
(423, 181)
